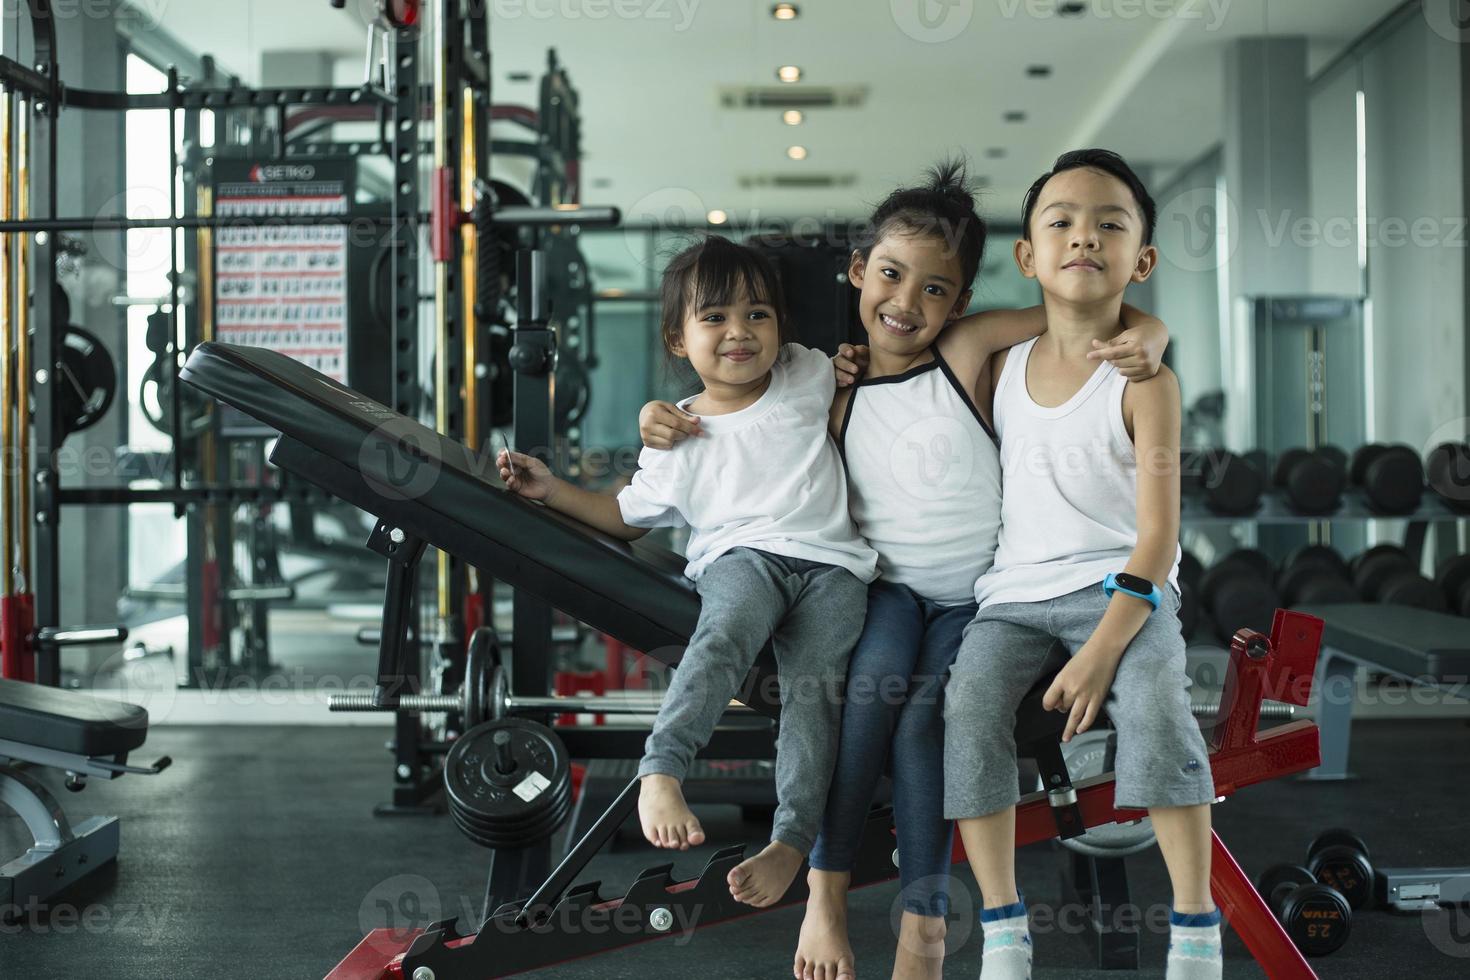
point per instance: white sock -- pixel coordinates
(1194, 946)
(1007, 953)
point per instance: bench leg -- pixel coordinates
(1248, 915)
(1336, 691)
(61, 853)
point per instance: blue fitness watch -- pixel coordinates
(1140, 588)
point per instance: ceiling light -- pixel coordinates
(1038, 71)
(792, 117)
(785, 11)
(796, 152)
(789, 73)
(717, 217)
(1015, 115)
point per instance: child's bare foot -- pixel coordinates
(763, 879)
(823, 951)
(667, 820)
(920, 953)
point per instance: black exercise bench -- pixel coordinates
(84, 736)
(425, 488)
(1426, 648)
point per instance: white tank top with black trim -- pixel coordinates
(923, 477)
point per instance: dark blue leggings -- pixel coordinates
(894, 707)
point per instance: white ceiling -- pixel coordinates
(1126, 74)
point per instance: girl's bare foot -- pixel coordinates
(823, 951)
(763, 879)
(667, 820)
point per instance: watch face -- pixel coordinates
(1133, 583)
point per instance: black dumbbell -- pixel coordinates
(1315, 574)
(1448, 469)
(1231, 484)
(1316, 916)
(1339, 859)
(1238, 593)
(1385, 573)
(1453, 579)
(1391, 477)
(1312, 480)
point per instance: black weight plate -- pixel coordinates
(1394, 480)
(1337, 837)
(1345, 869)
(1317, 919)
(87, 380)
(482, 657)
(1282, 874)
(514, 810)
(1448, 471)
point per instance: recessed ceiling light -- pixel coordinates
(717, 217)
(1038, 71)
(1015, 115)
(996, 152)
(518, 76)
(1073, 8)
(792, 117)
(789, 73)
(785, 11)
(796, 152)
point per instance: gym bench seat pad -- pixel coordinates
(69, 721)
(636, 592)
(1411, 642)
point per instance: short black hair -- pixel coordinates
(1098, 159)
(715, 271)
(942, 207)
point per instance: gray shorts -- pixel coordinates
(1161, 761)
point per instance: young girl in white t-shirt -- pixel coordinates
(772, 550)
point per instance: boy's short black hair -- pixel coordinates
(1098, 159)
(715, 271)
(942, 207)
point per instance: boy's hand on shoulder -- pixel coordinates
(1137, 352)
(849, 363)
(1080, 688)
(662, 425)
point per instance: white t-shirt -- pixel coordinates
(766, 477)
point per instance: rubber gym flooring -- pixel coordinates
(257, 856)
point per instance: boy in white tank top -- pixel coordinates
(1087, 553)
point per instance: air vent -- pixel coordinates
(794, 97)
(802, 181)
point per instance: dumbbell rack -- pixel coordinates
(563, 921)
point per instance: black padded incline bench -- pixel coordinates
(424, 488)
(1426, 648)
(84, 736)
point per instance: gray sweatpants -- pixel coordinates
(813, 614)
(1162, 760)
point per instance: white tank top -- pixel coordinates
(1069, 511)
(923, 476)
